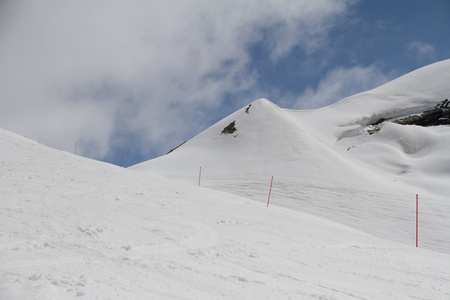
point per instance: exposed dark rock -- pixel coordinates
(429, 118)
(410, 120)
(379, 121)
(177, 147)
(374, 126)
(373, 130)
(230, 128)
(440, 115)
(444, 104)
(247, 110)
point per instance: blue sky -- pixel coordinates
(141, 77)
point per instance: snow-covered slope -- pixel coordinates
(76, 228)
(326, 162)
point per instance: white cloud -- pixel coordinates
(87, 70)
(340, 83)
(422, 50)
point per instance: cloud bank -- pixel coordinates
(105, 73)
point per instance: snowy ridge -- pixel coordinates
(422, 88)
(335, 162)
(77, 228)
(340, 224)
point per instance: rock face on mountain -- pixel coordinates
(440, 115)
(230, 128)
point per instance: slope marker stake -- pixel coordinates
(417, 220)
(270, 191)
(199, 176)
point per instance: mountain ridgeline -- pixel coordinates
(372, 148)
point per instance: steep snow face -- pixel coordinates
(327, 161)
(76, 228)
(267, 141)
(415, 155)
(411, 93)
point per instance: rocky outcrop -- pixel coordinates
(439, 115)
(247, 110)
(373, 128)
(177, 147)
(230, 128)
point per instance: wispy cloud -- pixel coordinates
(421, 49)
(97, 71)
(340, 83)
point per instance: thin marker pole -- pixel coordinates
(270, 191)
(75, 148)
(417, 220)
(121, 158)
(199, 176)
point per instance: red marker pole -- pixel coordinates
(270, 191)
(417, 220)
(199, 176)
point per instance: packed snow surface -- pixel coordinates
(340, 223)
(77, 228)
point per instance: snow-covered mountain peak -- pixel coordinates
(353, 145)
(256, 112)
(73, 227)
(264, 103)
